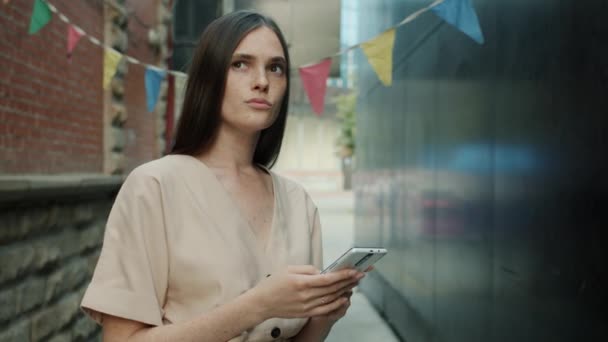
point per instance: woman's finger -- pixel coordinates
(327, 308)
(347, 284)
(328, 298)
(327, 279)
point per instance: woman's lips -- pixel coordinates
(259, 104)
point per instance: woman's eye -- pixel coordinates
(238, 65)
(276, 68)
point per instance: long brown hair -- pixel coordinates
(201, 110)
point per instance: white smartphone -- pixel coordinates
(359, 258)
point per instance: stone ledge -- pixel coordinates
(34, 187)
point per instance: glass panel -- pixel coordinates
(481, 169)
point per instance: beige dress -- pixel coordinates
(176, 246)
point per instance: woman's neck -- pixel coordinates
(232, 150)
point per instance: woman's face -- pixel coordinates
(256, 82)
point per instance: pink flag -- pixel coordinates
(73, 38)
(314, 78)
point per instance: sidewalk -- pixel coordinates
(362, 323)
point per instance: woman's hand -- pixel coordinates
(334, 316)
(301, 292)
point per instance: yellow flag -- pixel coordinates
(379, 52)
(110, 63)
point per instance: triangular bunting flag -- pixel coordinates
(314, 79)
(461, 14)
(41, 15)
(73, 38)
(379, 52)
(110, 63)
(153, 78)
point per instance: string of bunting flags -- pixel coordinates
(378, 50)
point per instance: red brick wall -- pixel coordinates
(50, 110)
(141, 125)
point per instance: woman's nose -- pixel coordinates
(261, 81)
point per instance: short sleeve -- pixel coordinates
(130, 278)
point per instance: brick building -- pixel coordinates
(54, 115)
(65, 145)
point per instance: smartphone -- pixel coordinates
(359, 258)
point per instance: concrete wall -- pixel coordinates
(309, 144)
(51, 229)
(309, 141)
(311, 28)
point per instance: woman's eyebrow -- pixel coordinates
(243, 56)
(247, 56)
(278, 59)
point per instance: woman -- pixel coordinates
(207, 244)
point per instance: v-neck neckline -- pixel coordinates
(262, 244)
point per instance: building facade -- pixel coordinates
(65, 145)
(481, 170)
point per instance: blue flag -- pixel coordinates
(153, 79)
(461, 14)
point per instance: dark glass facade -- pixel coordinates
(483, 170)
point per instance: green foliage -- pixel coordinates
(346, 114)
